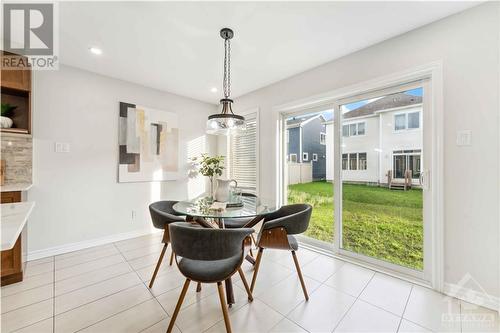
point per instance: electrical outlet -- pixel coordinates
(134, 214)
(61, 147)
(464, 138)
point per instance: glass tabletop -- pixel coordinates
(252, 206)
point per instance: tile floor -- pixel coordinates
(104, 289)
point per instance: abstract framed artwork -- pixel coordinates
(148, 141)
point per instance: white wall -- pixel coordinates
(468, 46)
(77, 195)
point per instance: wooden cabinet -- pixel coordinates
(9, 197)
(13, 260)
(16, 91)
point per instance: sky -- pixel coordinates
(351, 106)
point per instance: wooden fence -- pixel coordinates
(299, 173)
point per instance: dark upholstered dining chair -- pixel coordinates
(208, 256)
(277, 231)
(162, 215)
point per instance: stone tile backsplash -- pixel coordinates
(17, 151)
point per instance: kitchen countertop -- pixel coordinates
(15, 187)
(14, 217)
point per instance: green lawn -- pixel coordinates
(377, 222)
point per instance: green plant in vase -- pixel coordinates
(211, 167)
(6, 113)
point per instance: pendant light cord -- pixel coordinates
(227, 68)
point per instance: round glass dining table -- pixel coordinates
(252, 207)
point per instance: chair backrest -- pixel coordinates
(294, 218)
(162, 213)
(196, 243)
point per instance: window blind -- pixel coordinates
(243, 156)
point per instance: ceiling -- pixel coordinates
(176, 47)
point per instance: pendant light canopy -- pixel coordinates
(226, 122)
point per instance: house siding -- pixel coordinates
(311, 145)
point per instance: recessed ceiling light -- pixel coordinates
(95, 50)
(214, 90)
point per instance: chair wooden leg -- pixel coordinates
(253, 240)
(256, 268)
(223, 305)
(178, 306)
(245, 283)
(198, 287)
(171, 258)
(158, 265)
(251, 252)
(299, 272)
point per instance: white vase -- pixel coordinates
(6, 122)
(222, 192)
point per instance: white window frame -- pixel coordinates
(305, 156)
(348, 124)
(315, 157)
(406, 129)
(322, 138)
(431, 75)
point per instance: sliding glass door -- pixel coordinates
(382, 158)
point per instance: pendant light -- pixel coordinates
(226, 122)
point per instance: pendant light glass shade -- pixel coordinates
(226, 122)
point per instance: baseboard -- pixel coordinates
(56, 250)
(480, 298)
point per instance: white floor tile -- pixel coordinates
(201, 315)
(364, 317)
(27, 297)
(167, 282)
(91, 293)
(303, 256)
(146, 273)
(322, 268)
(144, 251)
(169, 299)
(88, 267)
(34, 269)
(44, 326)
(145, 261)
(287, 326)
(287, 294)
(323, 311)
(132, 320)
(161, 327)
(254, 317)
(85, 257)
(41, 261)
(433, 310)
(84, 251)
(478, 319)
(87, 279)
(138, 242)
(351, 279)
(387, 292)
(26, 316)
(269, 274)
(407, 327)
(29, 282)
(103, 308)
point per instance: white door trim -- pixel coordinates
(433, 72)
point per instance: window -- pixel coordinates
(353, 129)
(353, 161)
(404, 121)
(305, 156)
(345, 130)
(293, 158)
(362, 161)
(242, 157)
(413, 120)
(406, 160)
(315, 157)
(322, 138)
(361, 128)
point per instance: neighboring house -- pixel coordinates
(381, 136)
(306, 141)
